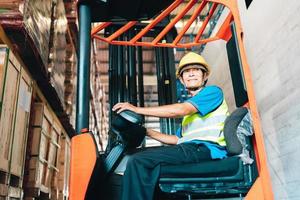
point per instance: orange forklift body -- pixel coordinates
(262, 188)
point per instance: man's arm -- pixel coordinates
(172, 110)
(161, 137)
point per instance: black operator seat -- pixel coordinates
(231, 176)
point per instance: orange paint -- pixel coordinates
(83, 159)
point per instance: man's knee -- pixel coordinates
(138, 159)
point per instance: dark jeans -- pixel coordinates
(143, 168)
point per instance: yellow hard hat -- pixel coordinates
(192, 58)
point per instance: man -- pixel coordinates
(199, 139)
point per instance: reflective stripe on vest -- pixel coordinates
(209, 127)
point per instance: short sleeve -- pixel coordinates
(207, 100)
(178, 132)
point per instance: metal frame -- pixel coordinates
(157, 41)
(83, 70)
(262, 187)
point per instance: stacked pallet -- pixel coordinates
(61, 184)
(70, 81)
(46, 170)
(15, 99)
(47, 163)
(57, 45)
(36, 30)
(46, 139)
(98, 104)
(39, 168)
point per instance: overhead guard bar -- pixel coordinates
(135, 41)
(156, 21)
(203, 26)
(173, 22)
(190, 22)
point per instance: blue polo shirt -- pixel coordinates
(206, 101)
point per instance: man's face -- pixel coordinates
(192, 77)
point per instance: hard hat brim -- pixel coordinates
(192, 58)
(193, 66)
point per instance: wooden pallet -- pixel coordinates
(19, 140)
(43, 152)
(9, 97)
(14, 119)
(62, 186)
(36, 193)
(4, 176)
(10, 186)
(15, 193)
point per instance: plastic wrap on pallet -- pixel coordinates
(36, 16)
(70, 84)
(37, 21)
(57, 56)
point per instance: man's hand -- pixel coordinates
(119, 107)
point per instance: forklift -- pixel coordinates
(123, 27)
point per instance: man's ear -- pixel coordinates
(205, 77)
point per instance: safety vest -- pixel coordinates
(208, 128)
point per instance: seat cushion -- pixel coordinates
(215, 168)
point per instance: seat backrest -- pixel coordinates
(233, 144)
